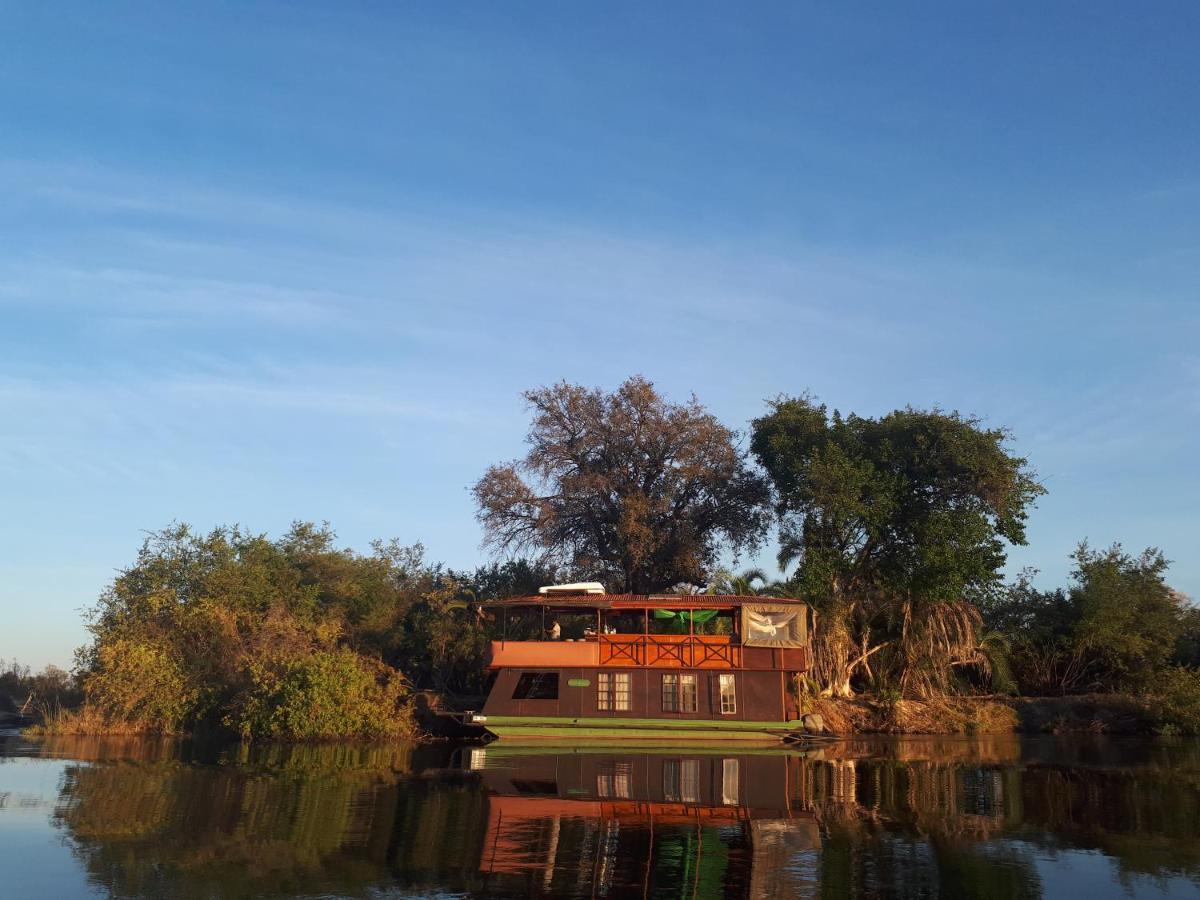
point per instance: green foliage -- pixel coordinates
(995, 647)
(1117, 627)
(897, 528)
(1187, 650)
(511, 578)
(1177, 700)
(915, 502)
(891, 522)
(443, 641)
(141, 681)
(286, 638)
(1128, 618)
(326, 694)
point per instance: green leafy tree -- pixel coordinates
(1039, 629)
(444, 641)
(891, 523)
(1117, 627)
(624, 486)
(285, 638)
(1187, 651)
(510, 578)
(1129, 620)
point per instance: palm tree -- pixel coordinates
(748, 583)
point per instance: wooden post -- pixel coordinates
(692, 637)
(646, 637)
(735, 638)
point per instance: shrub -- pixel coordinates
(140, 682)
(327, 694)
(1177, 704)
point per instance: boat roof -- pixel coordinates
(584, 601)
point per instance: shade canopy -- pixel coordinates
(774, 625)
(678, 620)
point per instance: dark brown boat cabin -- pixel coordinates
(591, 664)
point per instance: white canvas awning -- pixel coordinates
(774, 625)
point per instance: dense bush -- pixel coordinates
(291, 638)
(142, 681)
(1116, 628)
(335, 693)
(1177, 694)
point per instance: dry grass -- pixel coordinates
(1094, 714)
(86, 720)
(958, 715)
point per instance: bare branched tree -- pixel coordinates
(624, 486)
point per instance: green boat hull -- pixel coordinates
(537, 728)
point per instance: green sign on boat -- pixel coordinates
(578, 682)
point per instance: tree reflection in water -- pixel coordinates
(990, 817)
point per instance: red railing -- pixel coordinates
(662, 651)
(670, 651)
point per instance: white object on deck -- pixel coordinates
(579, 587)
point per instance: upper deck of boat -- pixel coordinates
(620, 632)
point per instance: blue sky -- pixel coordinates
(261, 262)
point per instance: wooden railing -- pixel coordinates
(658, 651)
(670, 651)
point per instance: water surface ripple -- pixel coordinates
(985, 817)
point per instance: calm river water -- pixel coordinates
(995, 817)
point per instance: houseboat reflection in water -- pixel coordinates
(992, 817)
(701, 823)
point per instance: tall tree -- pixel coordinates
(1129, 620)
(892, 522)
(624, 486)
(1117, 627)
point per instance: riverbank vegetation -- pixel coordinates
(895, 529)
(27, 697)
(291, 638)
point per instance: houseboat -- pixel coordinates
(575, 663)
(646, 823)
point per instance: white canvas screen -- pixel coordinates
(767, 625)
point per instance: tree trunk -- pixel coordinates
(834, 644)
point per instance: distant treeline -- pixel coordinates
(895, 529)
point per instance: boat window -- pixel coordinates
(612, 691)
(679, 693)
(729, 782)
(681, 780)
(614, 781)
(727, 688)
(536, 686)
